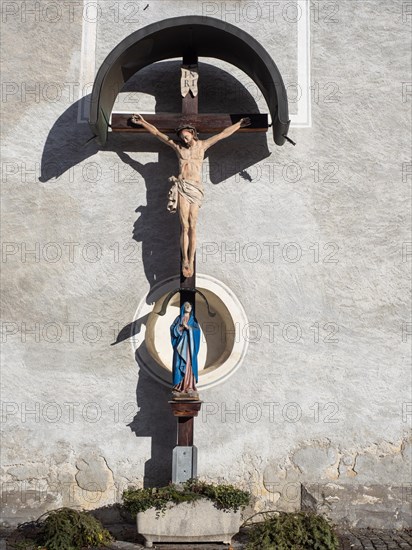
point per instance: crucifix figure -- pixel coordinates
(186, 193)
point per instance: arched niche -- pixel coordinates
(174, 38)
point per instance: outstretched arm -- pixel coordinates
(226, 132)
(138, 119)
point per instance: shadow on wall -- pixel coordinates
(155, 420)
(70, 142)
(219, 92)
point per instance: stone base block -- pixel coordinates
(198, 521)
(359, 505)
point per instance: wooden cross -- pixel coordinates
(204, 123)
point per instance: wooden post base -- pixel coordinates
(185, 411)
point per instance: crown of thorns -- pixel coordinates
(186, 127)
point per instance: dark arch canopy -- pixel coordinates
(176, 37)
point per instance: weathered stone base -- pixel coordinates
(198, 521)
(361, 506)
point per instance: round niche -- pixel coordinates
(222, 347)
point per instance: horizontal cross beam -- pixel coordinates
(204, 123)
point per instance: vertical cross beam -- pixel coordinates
(185, 411)
(189, 107)
(185, 454)
(185, 425)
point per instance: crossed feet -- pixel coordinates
(187, 269)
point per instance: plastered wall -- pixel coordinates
(313, 240)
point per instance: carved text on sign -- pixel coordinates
(188, 80)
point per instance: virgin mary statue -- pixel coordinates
(185, 336)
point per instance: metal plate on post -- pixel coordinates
(184, 464)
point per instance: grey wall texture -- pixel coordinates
(314, 240)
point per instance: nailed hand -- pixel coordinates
(245, 122)
(136, 119)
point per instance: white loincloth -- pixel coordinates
(191, 191)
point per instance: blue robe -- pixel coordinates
(181, 342)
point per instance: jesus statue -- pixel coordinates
(186, 193)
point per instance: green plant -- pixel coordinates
(67, 529)
(139, 500)
(225, 497)
(292, 531)
(63, 529)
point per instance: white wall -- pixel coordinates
(323, 396)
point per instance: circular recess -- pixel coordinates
(221, 349)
